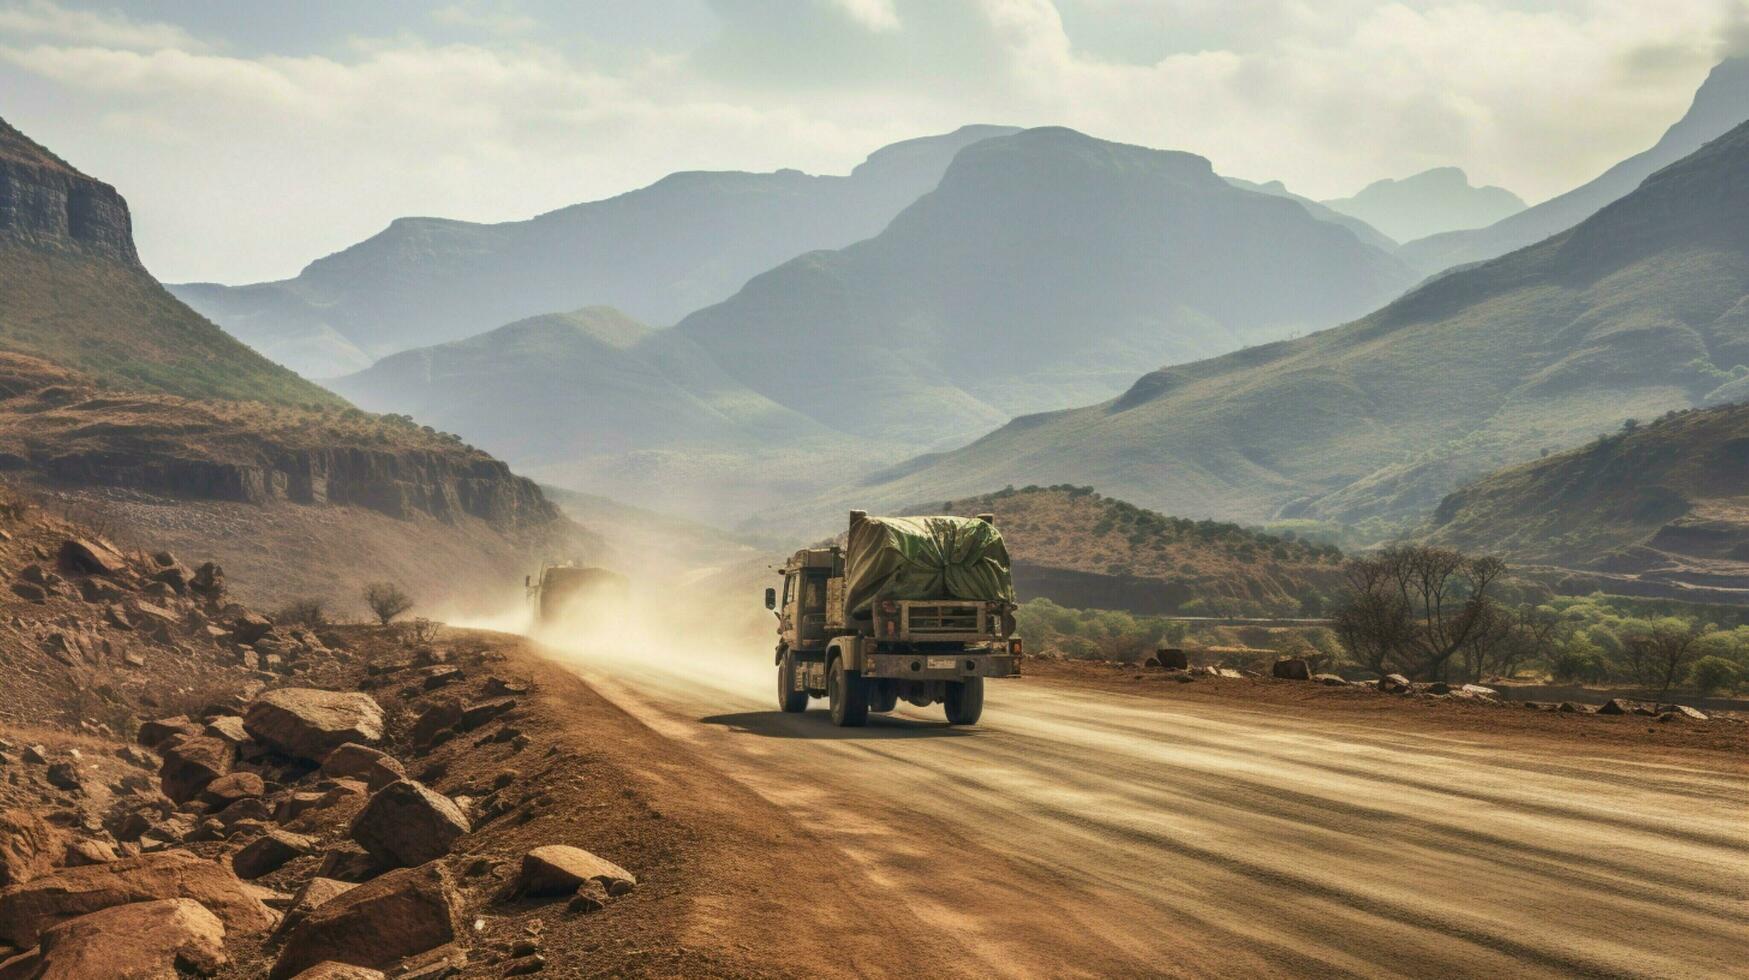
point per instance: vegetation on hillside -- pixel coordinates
(1219, 569)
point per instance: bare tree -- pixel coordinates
(1503, 638)
(1411, 608)
(1660, 655)
(386, 601)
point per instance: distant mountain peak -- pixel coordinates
(1432, 201)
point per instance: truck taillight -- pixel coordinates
(1014, 645)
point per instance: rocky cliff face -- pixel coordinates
(47, 204)
(403, 484)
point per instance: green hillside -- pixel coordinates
(1641, 309)
(73, 292)
(1672, 490)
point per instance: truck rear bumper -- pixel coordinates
(940, 666)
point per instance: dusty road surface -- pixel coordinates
(1082, 832)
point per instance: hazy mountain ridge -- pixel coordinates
(658, 252)
(1428, 203)
(1721, 103)
(1045, 266)
(1639, 310)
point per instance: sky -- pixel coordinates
(252, 137)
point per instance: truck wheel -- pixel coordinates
(883, 696)
(788, 698)
(847, 693)
(965, 701)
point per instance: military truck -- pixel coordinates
(567, 590)
(914, 609)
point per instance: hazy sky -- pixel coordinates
(252, 137)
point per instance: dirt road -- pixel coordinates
(1088, 832)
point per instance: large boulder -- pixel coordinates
(153, 733)
(90, 556)
(441, 717)
(29, 846)
(1292, 669)
(192, 763)
(160, 940)
(250, 627)
(400, 914)
(310, 723)
(559, 869)
(269, 852)
(231, 787)
(354, 761)
(1395, 684)
(28, 909)
(315, 893)
(407, 824)
(330, 970)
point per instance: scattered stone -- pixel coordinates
(377, 769)
(1292, 669)
(65, 775)
(441, 676)
(496, 686)
(1479, 690)
(1569, 707)
(209, 580)
(349, 862)
(227, 727)
(330, 970)
(297, 804)
(313, 894)
(310, 723)
(247, 808)
(441, 717)
(87, 850)
(172, 937)
(526, 966)
(407, 824)
(558, 869)
(1395, 684)
(28, 846)
(231, 787)
(190, 763)
(1331, 680)
(97, 590)
(476, 715)
(250, 627)
(401, 914)
(90, 556)
(590, 897)
(269, 852)
(1680, 711)
(36, 755)
(1168, 658)
(30, 592)
(27, 910)
(1618, 706)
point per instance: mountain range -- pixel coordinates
(1640, 309)
(1428, 203)
(658, 253)
(1041, 270)
(1721, 103)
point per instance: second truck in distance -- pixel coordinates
(914, 609)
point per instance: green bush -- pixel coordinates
(1713, 674)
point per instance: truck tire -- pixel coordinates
(883, 696)
(788, 698)
(965, 701)
(847, 693)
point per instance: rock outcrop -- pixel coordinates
(28, 910)
(400, 914)
(309, 724)
(407, 824)
(45, 203)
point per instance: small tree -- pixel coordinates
(308, 613)
(1411, 608)
(1658, 657)
(386, 601)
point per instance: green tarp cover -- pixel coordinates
(924, 558)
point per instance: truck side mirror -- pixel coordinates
(771, 598)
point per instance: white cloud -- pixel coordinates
(876, 15)
(246, 167)
(46, 20)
